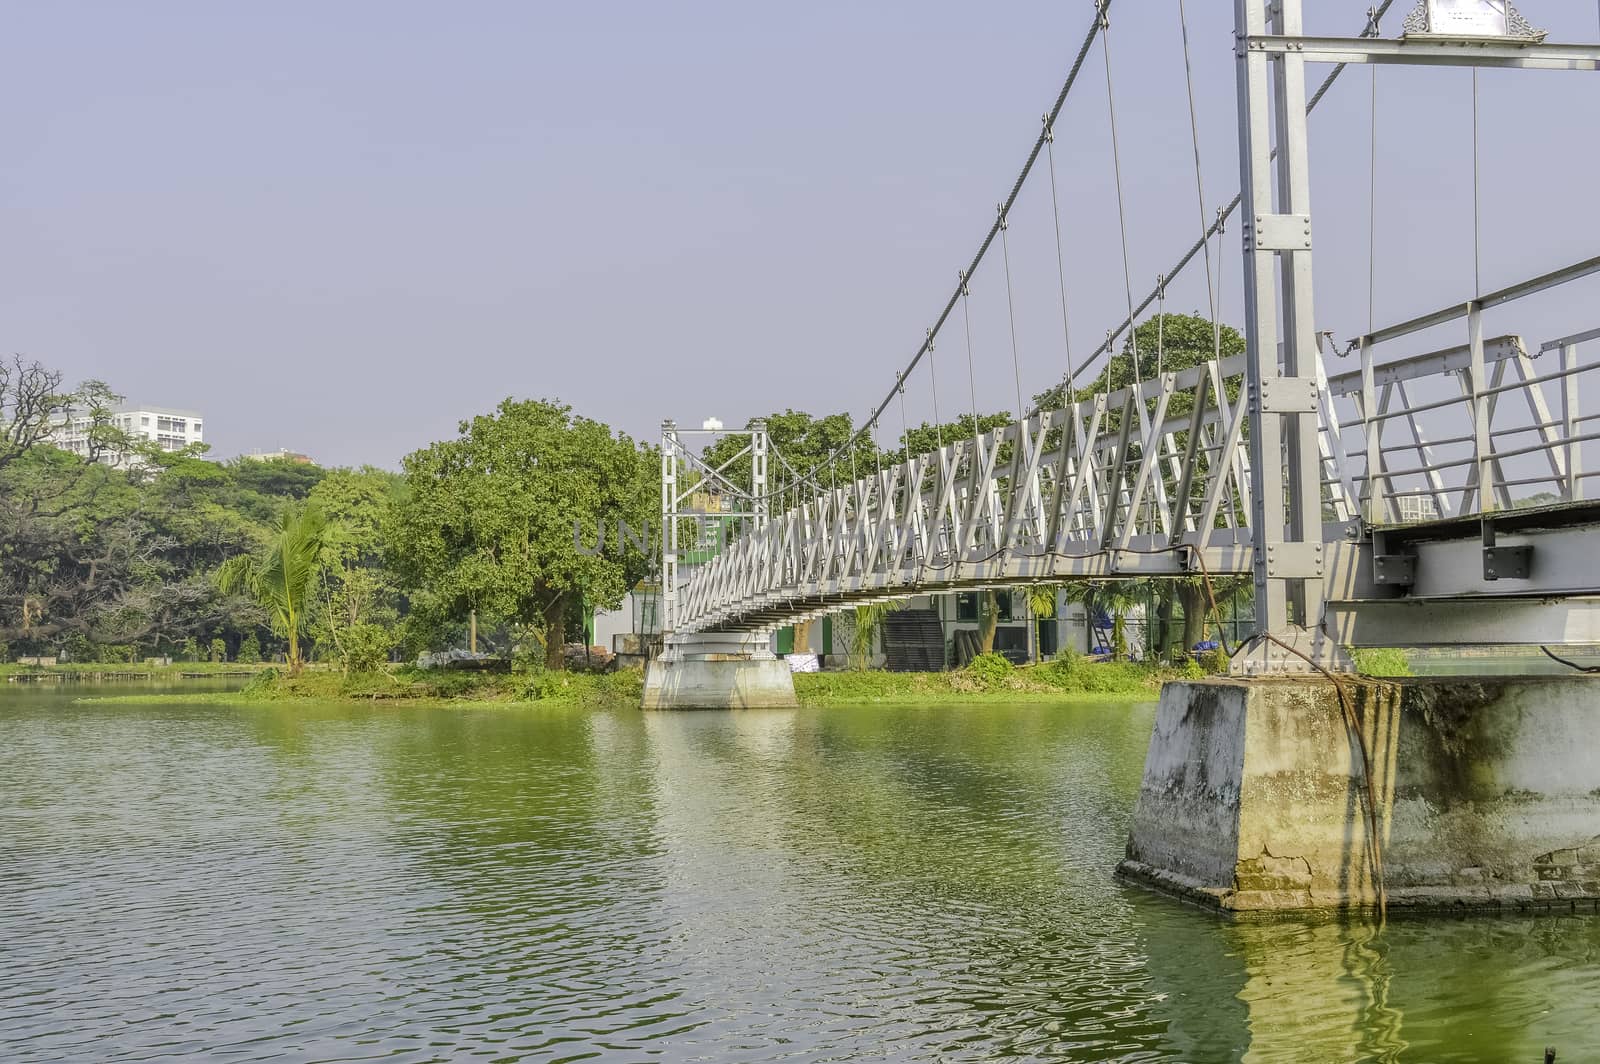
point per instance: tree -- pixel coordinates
(357, 606)
(488, 519)
(1041, 606)
(925, 438)
(280, 478)
(30, 395)
(1167, 342)
(988, 619)
(864, 634)
(1116, 597)
(78, 556)
(282, 580)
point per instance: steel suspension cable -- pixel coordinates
(988, 240)
(1199, 184)
(1223, 215)
(972, 379)
(905, 426)
(1477, 270)
(1122, 213)
(1011, 314)
(1069, 427)
(1372, 186)
(1222, 277)
(1161, 323)
(933, 388)
(1061, 265)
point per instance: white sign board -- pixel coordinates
(1469, 18)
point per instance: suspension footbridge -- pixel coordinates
(1372, 490)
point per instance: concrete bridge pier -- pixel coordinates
(718, 670)
(1296, 795)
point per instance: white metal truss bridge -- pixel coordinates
(1372, 499)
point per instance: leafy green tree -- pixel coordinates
(250, 649)
(357, 589)
(1167, 343)
(487, 520)
(1041, 599)
(926, 438)
(219, 649)
(1115, 597)
(282, 580)
(279, 478)
(802, 440)
(864, 635)
(363, 648)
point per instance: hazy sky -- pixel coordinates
(343, 227)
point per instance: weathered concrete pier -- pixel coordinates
(718, 670)
(1297, 795)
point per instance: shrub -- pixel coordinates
(262, 682)
(1381, 661)
(624, 687)
(364, 648)
(219, 650)
(190, 650)
(250, 650)
(1063, 672)
(1215, 661)
(991, 670)
(543, 685)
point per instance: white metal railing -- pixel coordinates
(1154, 479)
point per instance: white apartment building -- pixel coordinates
(168, 429)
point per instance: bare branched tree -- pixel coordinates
(30, 395)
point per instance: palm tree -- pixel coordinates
(1041, 606)
(869, 619)
(1116, 597)
(282, 579)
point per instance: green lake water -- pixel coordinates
(183, 882)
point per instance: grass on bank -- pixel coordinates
(412, 686)
(989, 678)
(131, 670)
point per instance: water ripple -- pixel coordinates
(181, 883)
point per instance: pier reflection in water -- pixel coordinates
(524, 884)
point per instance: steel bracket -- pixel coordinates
(1394, 570)
(1504, 563)
(1279, 232)
(1288, 395)
(1294, 560)
(1391, 566)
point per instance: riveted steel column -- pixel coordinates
(1256, 118)
(1300, 349)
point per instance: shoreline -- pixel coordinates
(1052, 682)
